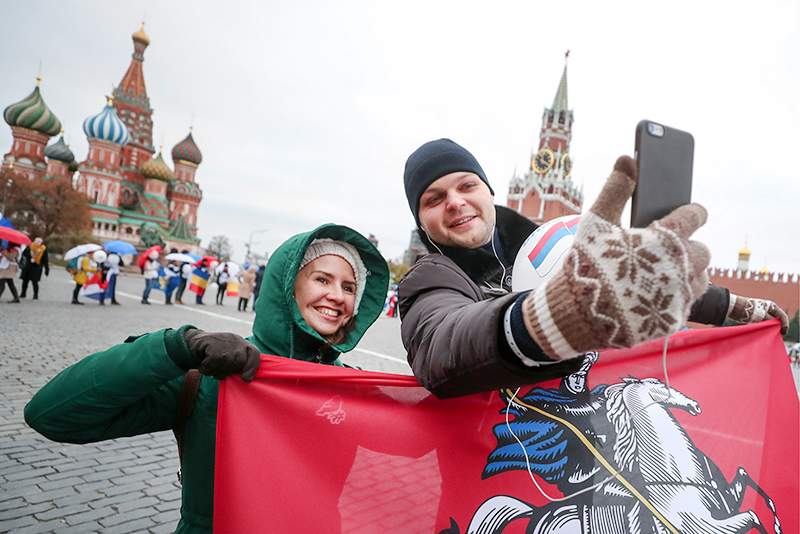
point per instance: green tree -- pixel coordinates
(396, 272)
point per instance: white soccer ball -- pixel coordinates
(543, 253)
(186, 269)
(99, 256)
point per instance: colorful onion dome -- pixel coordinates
(141, 37)
(60, 151)
(33, 114)
(107, 126)
(187, 150)
(156, 169)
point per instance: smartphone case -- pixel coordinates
(665, 173)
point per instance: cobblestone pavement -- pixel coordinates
(117, 486)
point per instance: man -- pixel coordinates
(466, 333)
(35, 260)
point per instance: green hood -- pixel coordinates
(279, 328)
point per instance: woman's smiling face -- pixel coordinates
(325, 291)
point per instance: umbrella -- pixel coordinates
(207, 260)
(233, 268)
(14, 236)
(178, 256)
(146, 254)
(120, 247)
(80, 250)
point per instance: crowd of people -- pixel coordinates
(464, 329)
(101, 268)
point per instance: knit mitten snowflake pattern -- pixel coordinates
(750, 310)
(620, 287)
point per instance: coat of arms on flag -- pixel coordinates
(616, 447)
(199, 281)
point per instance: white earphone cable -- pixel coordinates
(613, 475)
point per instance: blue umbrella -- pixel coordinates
(119, 247)
(5, 222)
(195, 256)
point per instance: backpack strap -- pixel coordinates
(186, 402)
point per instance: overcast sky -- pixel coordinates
(305, 112)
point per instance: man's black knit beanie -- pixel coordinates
(430, 162)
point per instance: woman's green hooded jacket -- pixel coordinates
(133, 388)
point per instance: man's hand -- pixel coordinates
(222, 354)
(620, 287)
(749, 310)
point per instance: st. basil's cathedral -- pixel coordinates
(132, 195)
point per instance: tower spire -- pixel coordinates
(560, 101)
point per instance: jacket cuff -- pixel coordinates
(519, 340)
(178, 351)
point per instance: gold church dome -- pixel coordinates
(141, 37)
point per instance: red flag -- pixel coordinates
(314, 448)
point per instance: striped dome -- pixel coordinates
(187, 150)
(156, 169)
(107, 126)
(33, 114)
(60, 151)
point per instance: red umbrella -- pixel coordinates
(207, 260)
(14, 236)
(146, 255)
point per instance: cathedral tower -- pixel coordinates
(546, 191)
(133, 108)
(185, 195)
(100, 175)
(32, 125)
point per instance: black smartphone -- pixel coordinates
(664, 158)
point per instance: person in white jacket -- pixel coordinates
(151, 266)
(222, 281)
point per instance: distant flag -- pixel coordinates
(232, 289)
(199, 281)
(96, 289)
(167, 284)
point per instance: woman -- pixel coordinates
(247, 281)
(84, 268)
(222, 283)
(8, 269)
(321, 292)
(150, 271)
(36, 261)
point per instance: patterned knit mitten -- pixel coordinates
(749, 310)
(620, 287)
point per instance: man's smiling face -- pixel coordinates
(457, 210)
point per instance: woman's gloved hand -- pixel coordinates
(620, 287)
(222, 354)
(750, 310)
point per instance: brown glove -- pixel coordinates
(749, 310)
(620, 287)
(222, 354)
